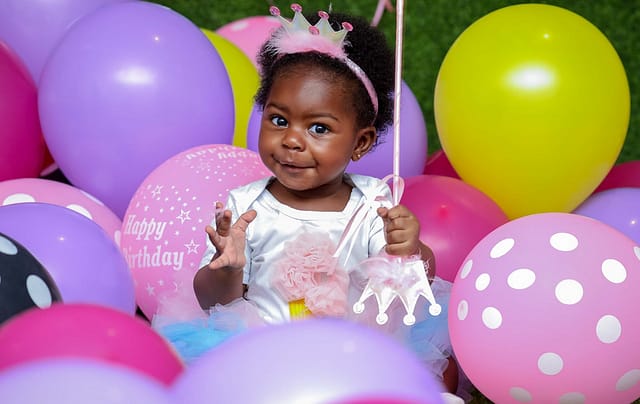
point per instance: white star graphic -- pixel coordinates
(184, 216)
(156, 192)
(192, 247)
(150, 290)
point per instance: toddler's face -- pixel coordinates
(308, 131)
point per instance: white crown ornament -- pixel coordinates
(322, 28)
(397, 277)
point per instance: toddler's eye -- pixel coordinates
(318, 129)
(279, 121)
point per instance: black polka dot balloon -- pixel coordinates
(24, 282)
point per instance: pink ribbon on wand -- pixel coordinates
(396, 190)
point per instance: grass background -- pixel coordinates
(431, 27)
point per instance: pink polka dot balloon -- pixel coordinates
(24, 190)
(163, 237)
(544, 310)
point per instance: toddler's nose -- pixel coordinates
(293, 139)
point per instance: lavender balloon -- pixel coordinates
(617, 207)
(312, 361)
(76, 381)
(83, 260)
(34, 27)
(129, 86)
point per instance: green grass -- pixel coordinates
(433, 25)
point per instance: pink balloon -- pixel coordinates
(544, 310)
(438, 164)
(163, 235)
(34, 27)
(622, 175)
(249, 33)
(453, 217)
(24, 190)
(22, 147)
(89, 332)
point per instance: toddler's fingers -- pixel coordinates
(245, 219)
(223, 223)
(214, 237)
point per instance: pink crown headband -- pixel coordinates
(298, 36)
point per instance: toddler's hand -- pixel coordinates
(402, 230)
(229, 240)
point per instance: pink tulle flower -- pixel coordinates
(290, 282)
(327, 299)
(308, 270)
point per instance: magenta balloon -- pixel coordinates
(438, 164)
(129, 86)
(315, 361)
(34, 27)
(379, 162)
(83, 260)
(22, 147)
(453, 216)
(88, 331)
(78, 381)
(617, 207)
(622, 175)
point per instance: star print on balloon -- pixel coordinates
(163, 235)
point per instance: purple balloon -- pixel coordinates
(616, 207)
(253, 128)
(76, 381)
(34, 27)
(129, 86)
(311, 361)
(379, 162)
(83, 260)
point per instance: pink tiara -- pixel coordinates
(298, 36)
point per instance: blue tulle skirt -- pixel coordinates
(194, 334)
(428, 338)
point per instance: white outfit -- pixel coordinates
(276, 223)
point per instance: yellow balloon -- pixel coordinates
(532, 107)
(244, 83)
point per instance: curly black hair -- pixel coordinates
(366, 46)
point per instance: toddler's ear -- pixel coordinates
(365, 139)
